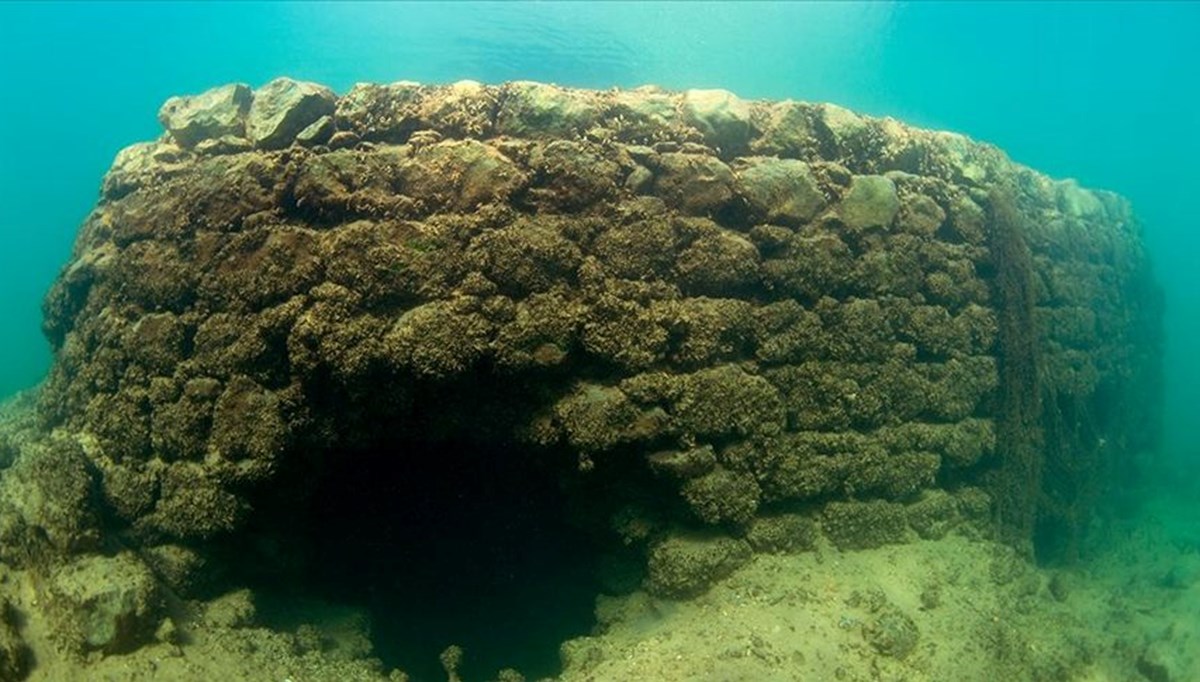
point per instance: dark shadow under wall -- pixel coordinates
(435, 520)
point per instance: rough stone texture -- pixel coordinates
(284, 108)
(721, 117)
(47, 502)
(208, 116)
(766, 307)
(863, 525)
(684, 566)
(782, 533)
(107, 604)
(780, 190)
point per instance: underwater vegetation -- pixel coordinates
(430, 349)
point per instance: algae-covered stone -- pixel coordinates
(231, 610)
(379, 112)
(283, 108)
(526, 257)
(722, 117)
(697, 184)
(181, 568)
(722, 495)
(892, 633)
(639, 250)
(599, 417)
(107, 604)
(864, 525)
(780, 190)
(788, 131)
(782, 533)
(435, 340)
(718, 263)
(460, 175)
(726, 401)
(317, 132)
(687, 565)
(50, 498)
(845, 128)
(532, 109)
(871, 201)
(920, 215)
(210, 115)
(1075, 201)
(572, 175)
(192, 504)
(934, 515)
(683, 464)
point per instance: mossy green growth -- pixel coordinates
(934, 515)
(597, 418)
(782, 533)
(107, 604)
(864, 525)
(722, 496)
(871, 201)
(686, 565)
(728, 401)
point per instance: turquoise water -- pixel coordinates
(1104, 92)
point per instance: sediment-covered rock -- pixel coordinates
(751, 313)
(15, 656)
(107, 604)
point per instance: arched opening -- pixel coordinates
(442, 525)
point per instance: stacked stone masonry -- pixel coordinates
(785, 311)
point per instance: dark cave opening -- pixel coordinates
(453, 543)
(444, 536)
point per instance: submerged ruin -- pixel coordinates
(465, 353)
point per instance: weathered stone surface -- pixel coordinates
(721, 116)
(863, 525)
(226, 144)
(685, 566)
(780, 190)
(210, 115)
(729, 307)
(317, 132)
(283, 108)
(107, 604)
(871, 201)
(48, 502)
(532, 109)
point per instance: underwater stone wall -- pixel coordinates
(758, 320)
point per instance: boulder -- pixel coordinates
(722, 117)
(539, 110)
(285, 107)
(687, 565)
(212, 114)
(780, 190)
(107, 604)
(871, 201)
